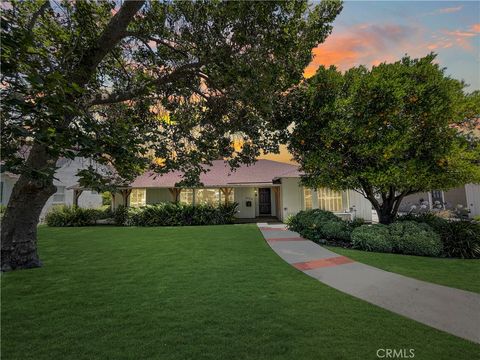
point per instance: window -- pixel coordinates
(186, 196)
(231, 196)
(330, 200)
(59, 196)
(207, 196)
(137, 197)
(307, 195)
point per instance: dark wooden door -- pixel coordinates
(264, 201)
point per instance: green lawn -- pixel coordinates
(191, 293)
(458, 273)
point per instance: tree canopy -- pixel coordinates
(169, 85)
(175, 82)
(387, 132)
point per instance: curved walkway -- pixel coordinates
(452, 310)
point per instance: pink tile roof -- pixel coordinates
(261, 172)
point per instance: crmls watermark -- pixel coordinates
(395, 353)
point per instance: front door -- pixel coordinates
(264, 201)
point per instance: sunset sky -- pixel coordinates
(371, 32)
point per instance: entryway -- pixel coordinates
(264, 201)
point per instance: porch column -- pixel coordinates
(276, 193)
(175, 192)
(226, 192)
(125, 194)
(76, 195)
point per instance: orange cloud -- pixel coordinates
(364, 44)
(370, 44)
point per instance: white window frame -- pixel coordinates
(138, 197)
(215, 203)
(330, 200)
(307, 193)
(183, 193)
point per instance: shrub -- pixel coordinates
(410, 237)
(120, 215)
(461, 239)
(71, 216)
(171, 214)
(3, 208)
(319, 225)
(372, 238)
(336, 230)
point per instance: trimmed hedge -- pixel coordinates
(171, 214)
(65, 216)
(320, 226)
(460, 238)
(406, 237)
(372, 238)
(409, 237)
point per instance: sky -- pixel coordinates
(371, 32)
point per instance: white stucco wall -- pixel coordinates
(361, 206)
(291, 195)
(473, 198)
(241, 196)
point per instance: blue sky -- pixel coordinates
(370, 32)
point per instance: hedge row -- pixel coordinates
(426, 234)
(166, 214)
(406, 237)
(64, 216)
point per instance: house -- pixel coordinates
(263, 189)
(65, 178)
(465, 200)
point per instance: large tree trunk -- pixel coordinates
(387, 209)
(19, 224)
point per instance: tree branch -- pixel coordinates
(111, 35)
(37, 14)
(144, 39)
(102, 99)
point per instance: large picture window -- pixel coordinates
(138, 197)
(330, 200)
(207, 196)
(307, 196)
(186, 196)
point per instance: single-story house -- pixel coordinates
(263, 189)
(65, 178)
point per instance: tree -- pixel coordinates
(388, 132)
(148, 80)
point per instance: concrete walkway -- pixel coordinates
(452, 310)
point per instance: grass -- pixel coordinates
(458, 273)
(191, 293)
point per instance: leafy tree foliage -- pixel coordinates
(169, 80)
(388, 132)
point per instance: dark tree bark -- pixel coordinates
(30, 193)
(19, 225)
(387, 208)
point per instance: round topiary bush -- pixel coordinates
(372, 238)
(336, 230)
(410, 237)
